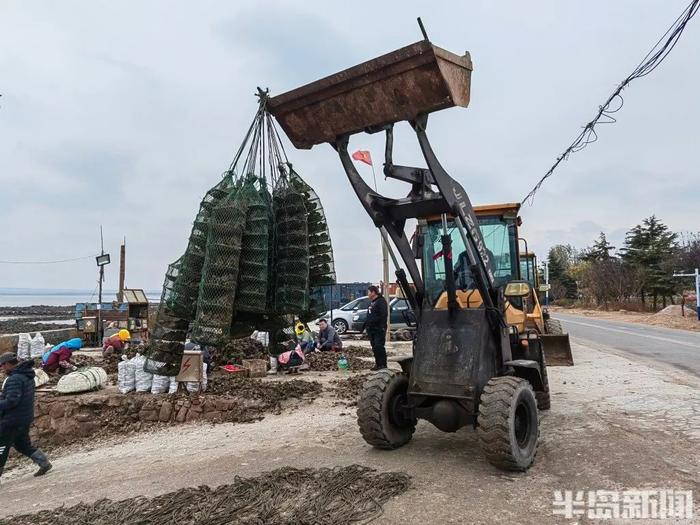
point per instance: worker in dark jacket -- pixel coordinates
(377, 315)
(17, 412)
(328, 338)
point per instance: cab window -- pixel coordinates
(501, 244)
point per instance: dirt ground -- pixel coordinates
(669, 317)
(614, 424)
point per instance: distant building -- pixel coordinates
(339, 294)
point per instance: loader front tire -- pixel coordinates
(508, 424)
(382, 424)
(553, 327)
(544, 401)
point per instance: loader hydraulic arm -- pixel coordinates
(455, 199)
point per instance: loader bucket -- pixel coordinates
(557, 350)
(416, 79)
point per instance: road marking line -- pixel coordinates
(665, 340)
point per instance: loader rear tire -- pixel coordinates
(553, 327)
(382, 425)
(508, 423)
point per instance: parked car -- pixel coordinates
(401, 316)
(342, 317)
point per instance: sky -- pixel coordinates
(123, 114)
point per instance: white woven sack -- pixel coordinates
(126, 378)
(144, 380)
(160, 384)
(90, 378)
(204, 377)
(196, 386)
(23, 346)
(40, 377)
(36, 346)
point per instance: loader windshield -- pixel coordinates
(501, 243)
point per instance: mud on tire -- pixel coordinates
(508, 425)
(381, 425)
(544, 401)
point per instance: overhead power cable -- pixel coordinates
(50, 262)
(614, 103)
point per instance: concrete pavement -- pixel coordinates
(678, 348)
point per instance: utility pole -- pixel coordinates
(102, 261)
(100, 332)
(697, 287)
(385, 270)
(122, 271)
(366, 157)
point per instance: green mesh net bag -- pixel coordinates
(321, 263)
(217, 290)
(181, 290)
(291, 250)
(186, 286)
(166, 345)
(253, 277)
(254, 259)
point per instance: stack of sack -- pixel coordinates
(131, 377)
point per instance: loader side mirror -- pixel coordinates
(517, 289)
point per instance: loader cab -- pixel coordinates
(499, 227)
(528, 269)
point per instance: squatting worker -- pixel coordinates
(328, 338)
(375, 325)
(17, 412)
(58, 358)
(304, 337)
(116, 344)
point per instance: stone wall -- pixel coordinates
(63, 419)
(8, 342)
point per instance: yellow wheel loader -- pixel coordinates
(477, 358)
(557, 347)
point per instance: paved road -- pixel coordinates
(678, 348)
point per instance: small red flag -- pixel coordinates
(440, 254)
(363, 156)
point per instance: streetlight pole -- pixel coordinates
(102, 261)
(697, 287)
